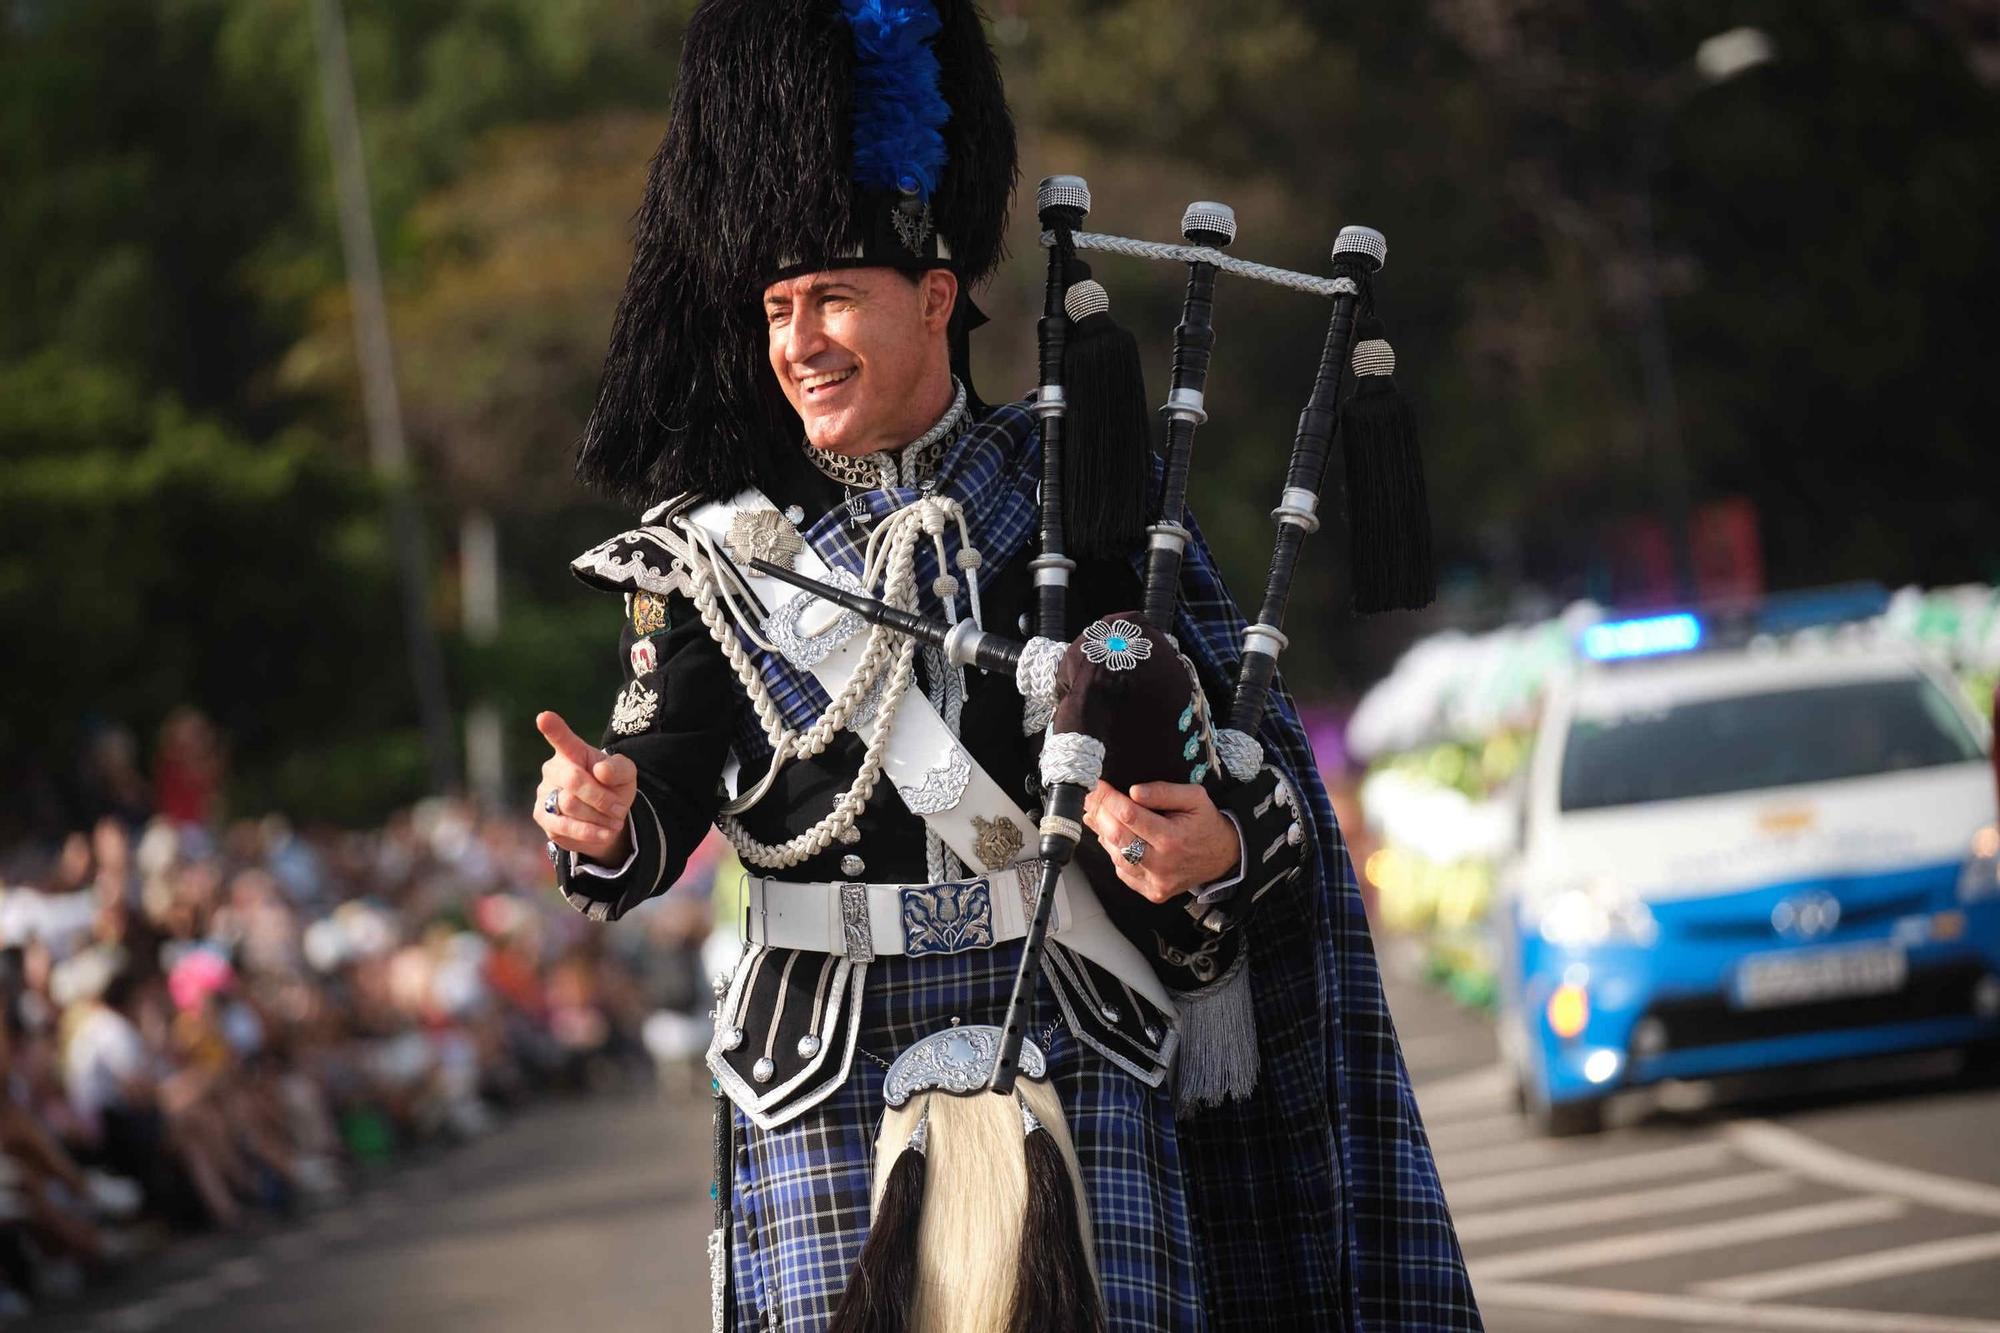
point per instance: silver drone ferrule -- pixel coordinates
(1085, 299)
(1050, 401)
(961, 643)
(1185, 405)
(1063, 192)
(1266, 639)
(1211, 220)
(1299, 507)
(1168, 537)
(1365, 242)
(1052, 571)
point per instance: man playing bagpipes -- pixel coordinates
(975, 1070)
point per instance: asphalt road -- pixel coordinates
(1857, 1201)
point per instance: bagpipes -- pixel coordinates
(1121, 701)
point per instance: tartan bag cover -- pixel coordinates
(1316, 1200)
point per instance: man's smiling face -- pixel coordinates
(861, 353)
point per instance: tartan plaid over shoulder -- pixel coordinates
(1316, 1199)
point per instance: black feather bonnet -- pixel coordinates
(804, 134)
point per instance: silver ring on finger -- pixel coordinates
(1134, 851)
(549, 801)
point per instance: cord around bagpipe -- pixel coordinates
(1178, 253)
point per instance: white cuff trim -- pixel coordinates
(1209, 893)
(579, 866)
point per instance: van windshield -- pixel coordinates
(1747, 742)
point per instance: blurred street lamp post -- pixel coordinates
(1717, 60)
(381, 405)
(479, 600)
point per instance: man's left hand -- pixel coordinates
(1189, 842)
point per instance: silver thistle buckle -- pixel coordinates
(947, 918)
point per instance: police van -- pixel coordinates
(1746, 842)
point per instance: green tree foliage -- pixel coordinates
(189, 518)
(182, 466)
(1823, 229)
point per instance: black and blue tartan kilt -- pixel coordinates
(802, 1189)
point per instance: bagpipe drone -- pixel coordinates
(1123, 704)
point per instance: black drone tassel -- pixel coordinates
(1108, 453)
(1388, 513)
(1056, 1292)
(883, 1289)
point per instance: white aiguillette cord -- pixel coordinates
(887, 664)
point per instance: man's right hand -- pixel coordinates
(594, 793)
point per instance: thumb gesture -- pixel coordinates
(591, 791)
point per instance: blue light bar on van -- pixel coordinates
(1645, 637)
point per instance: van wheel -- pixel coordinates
(1564, 1120)
(1556, 1120)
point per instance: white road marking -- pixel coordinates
(1481, 1088)
(1529, 1184)
(1775, 1145)
(1686, 1239)
(1708, 1313)
(1617, 1207)
(1485, 1130)
(1855, 1269)
(1472, 1162)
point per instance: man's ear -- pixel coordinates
(940, 294)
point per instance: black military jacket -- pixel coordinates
(682, 752)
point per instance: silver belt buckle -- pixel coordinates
(947, 918)
(857, 933)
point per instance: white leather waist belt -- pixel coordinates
(862, 922)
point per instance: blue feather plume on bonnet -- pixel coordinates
(899, 112)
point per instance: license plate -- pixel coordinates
(1768, 980)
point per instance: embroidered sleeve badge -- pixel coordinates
(645, 657)
(649, 612)
(635, 710)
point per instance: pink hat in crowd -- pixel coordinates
(199, 974)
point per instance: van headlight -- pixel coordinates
(1596, 914)
(1980, 877)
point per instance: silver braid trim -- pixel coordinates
(1242, 754)
(1035, 678)
(1071, 756)
(1055, 826)
(1201, 254)
(1063, 192)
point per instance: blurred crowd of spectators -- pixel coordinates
(208, 1023)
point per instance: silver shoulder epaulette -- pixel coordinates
(643, 559)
